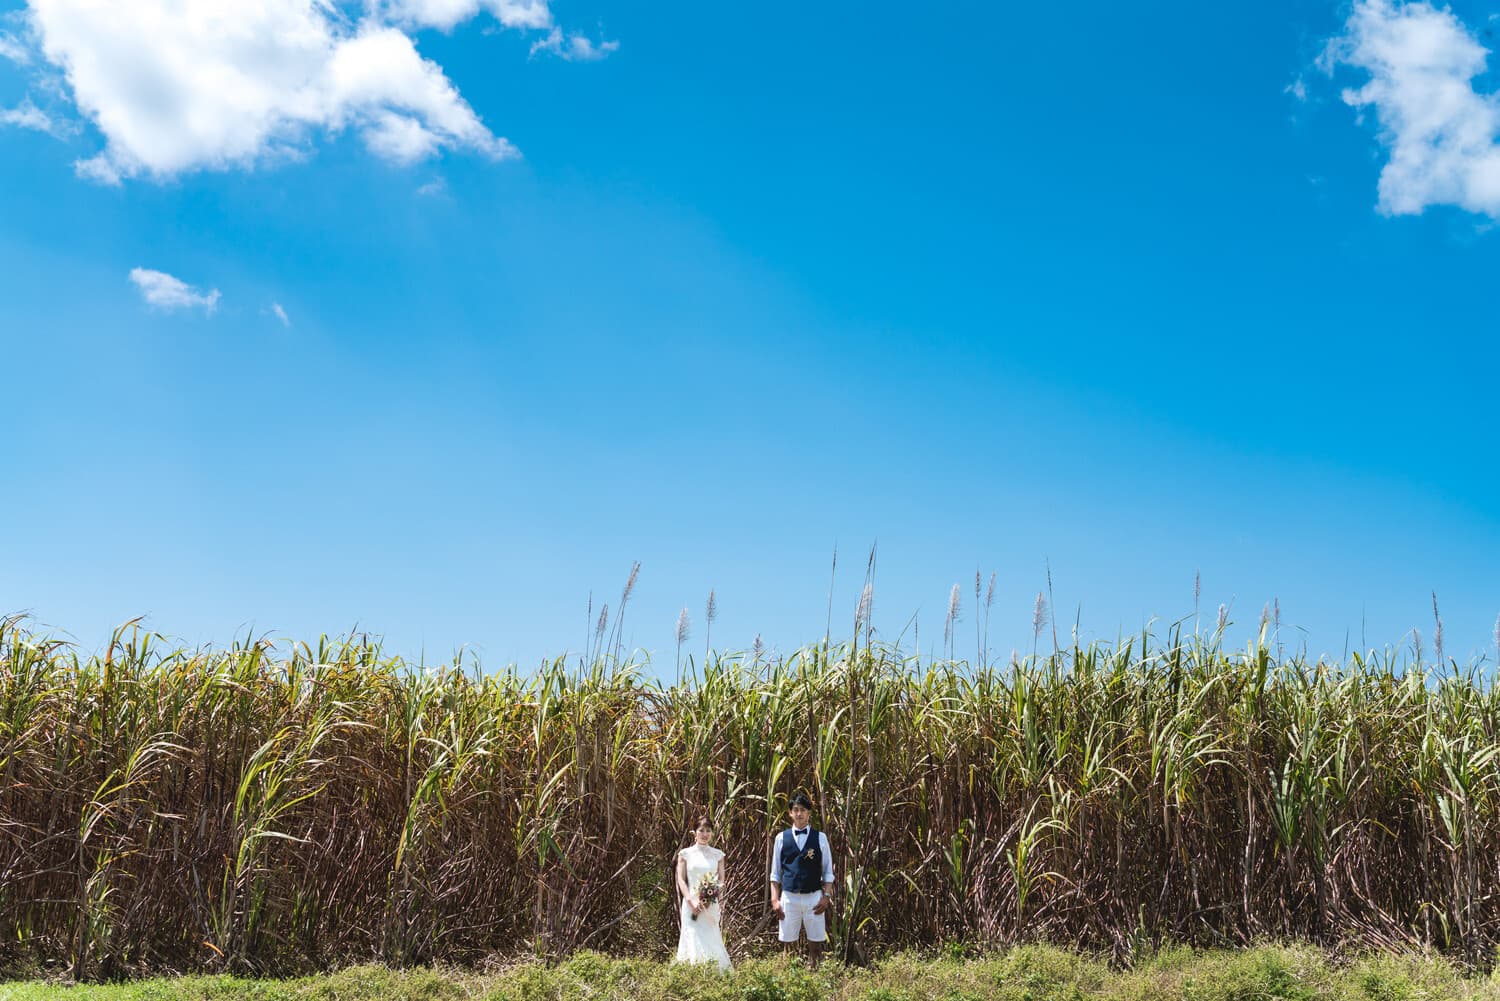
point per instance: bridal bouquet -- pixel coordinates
(708, 890)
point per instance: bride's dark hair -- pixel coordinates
(699, 821)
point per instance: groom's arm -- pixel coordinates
(775, 881)
(827, 900)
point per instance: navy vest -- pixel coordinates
(802, 869)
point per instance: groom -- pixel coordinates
(802, 881)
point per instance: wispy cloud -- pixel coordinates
(280, 314)
(1440, 132)
(11, 48)
(184, 85)
(434, 187)
(444, 14)
(98, 169)
(27, 115)
(574, 47)
(164, 291)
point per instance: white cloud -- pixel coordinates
(1441, 134)
(181, 85)
(280, 314)
(164, 291)
(1297, 88)
(434, 187)
(573, 48)
(399, 138)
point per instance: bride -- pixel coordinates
(701, 940)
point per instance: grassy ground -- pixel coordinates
(1023, 974)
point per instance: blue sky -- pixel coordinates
(1133, 293)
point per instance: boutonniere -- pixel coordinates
(809, 853)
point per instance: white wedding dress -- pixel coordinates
(701, 940)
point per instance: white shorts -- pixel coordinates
(798, 908)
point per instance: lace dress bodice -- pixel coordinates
(701, 859)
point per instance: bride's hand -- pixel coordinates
(695, 905)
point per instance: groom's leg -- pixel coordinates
(790, 929)
(817, 934)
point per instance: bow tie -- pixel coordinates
(798, 832)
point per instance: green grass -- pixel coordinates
(1029, 973)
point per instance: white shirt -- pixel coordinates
(800, 837)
